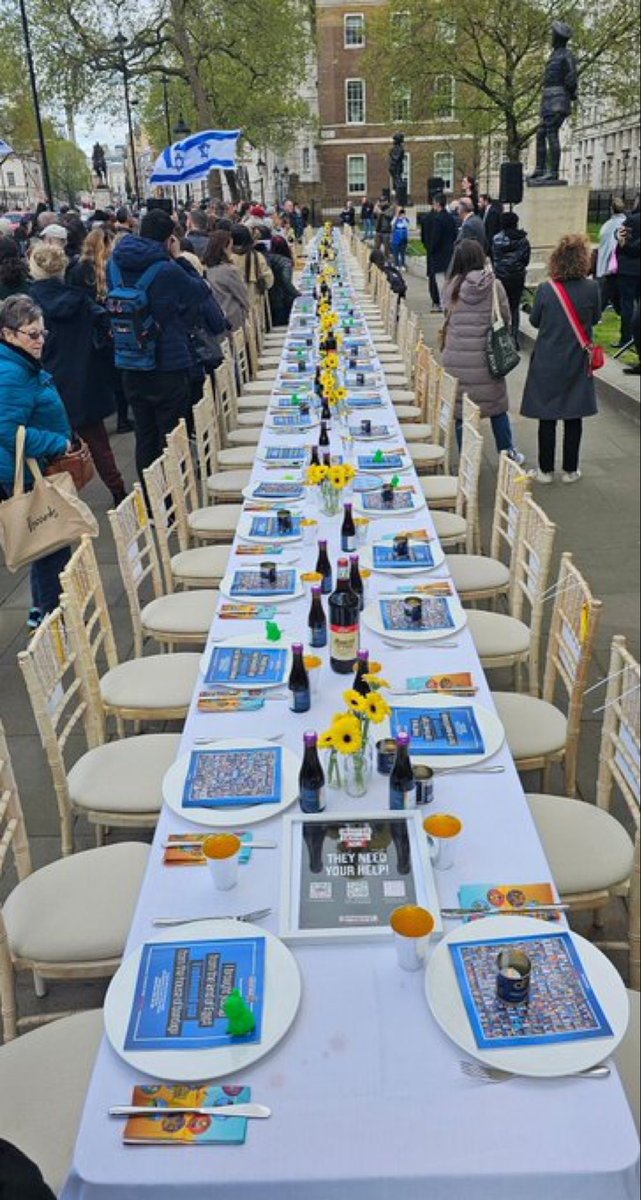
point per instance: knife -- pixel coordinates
(531, 911)
(259, 1111)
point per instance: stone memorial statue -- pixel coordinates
(99, 163)
(397, 168)
(559, 93)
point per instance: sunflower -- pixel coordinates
(376, 707)
(347, 735)
(341, 394)
(376, 681)
(350, 471)
(354, 700)
(337, 477)
(326, 740)
(332, 360)
(316, 474)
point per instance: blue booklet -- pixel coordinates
(181, 990)
(439, 731)
(291, 420)
(279, 491)
(240, 665)
(227, 778)
(404, 498)
(436, 616)
(562, 1006)
(377, 431)
(285, 454)
(420, 555)
(267, 527)
(251, 583)
(390, 462)
(365, 400)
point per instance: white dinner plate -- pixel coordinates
(275, 464)
(367, 559)
(260, 643)
(373, 619)
(490, 728)
(173, 786)
(406, 465)
(562, 1058)
(291, 430)
(372, 437)
(266, 596)
(382, 513)
(280, 1005)
(247, 520)
(278, 501)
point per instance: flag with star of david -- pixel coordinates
(195, 156)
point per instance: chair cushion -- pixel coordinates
(228, 483)
(496, 634)
(401, 395)
(242, 456)
(533, 728)
(182, 613)
(407, 413)
(158, 681)
(252, 419)
(586, 847)
(253, 401)
(79, 908)
(54, 1061)
(440, 487)
(248, 436)
(426, 454)
(256, 387)
(448, 525)
(627, 1056)
(476, 572)
(204, 562)
(218, 519)
(124, 776)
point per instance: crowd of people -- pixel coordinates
(73, 294)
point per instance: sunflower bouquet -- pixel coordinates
(348, 736)
(332, 482)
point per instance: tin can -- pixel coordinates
(387, 496)
(284, 521)
(401, 546)
(304, 408)
(513, 976)
(424, 782)
(268, 573)
(385, 755)
(413, 609)
(366, 426)
(360, 378)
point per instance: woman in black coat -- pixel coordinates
(78, 330)
(559, 384)
(511, 254)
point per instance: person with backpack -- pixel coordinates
(383, 227)
(511, 254)
(154, 302)
(400, 237)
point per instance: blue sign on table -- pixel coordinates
(365, 400)
(369, 462)
(267, 527)
(291, 420)
(279, 491)
(240, 665)
(420, 555)
(285, 454)
(181, 991)
(435, 615)
(251, 583)
(228, 778)
(439, 731)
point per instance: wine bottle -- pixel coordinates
(298, 682)
(401, 780)
(348, 531)
(324, 568)
(317, 620)
(356, 581)
(344, 616)
(360, 684)
(314, 458)
(323, 437)
(327, 459)
(311, 777)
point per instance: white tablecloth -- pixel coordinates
(367, 1096)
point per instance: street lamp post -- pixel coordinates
(120, 41)
(182, 130)
(36, 105)
(285, 177)
(261, 166)
(165, 102)
(277, 185)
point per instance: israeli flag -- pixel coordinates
(196, 156)
(5, 149)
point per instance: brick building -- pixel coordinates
(358, 118)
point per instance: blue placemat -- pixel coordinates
(227, 778)
(439, 731)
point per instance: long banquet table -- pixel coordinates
(368, 1099)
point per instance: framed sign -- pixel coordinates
(344, 874)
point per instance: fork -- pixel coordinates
(407, 645)
(487, 1074)
(469, 770)
(256, 915)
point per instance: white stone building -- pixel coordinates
(21, 186)
(602, 148)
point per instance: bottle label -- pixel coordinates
(318, 636)
(312, 799)
(348, 543)
(345, 642)
(401, 797)
(326, 585)
(300, 701)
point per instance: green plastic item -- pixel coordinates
(379, 457)
(240, 1018)
(395, 481)
(273, 631)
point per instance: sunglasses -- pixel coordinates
(33, 335)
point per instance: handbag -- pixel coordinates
(595, 354)
(77, 462)
(37, 522)
(500, 347)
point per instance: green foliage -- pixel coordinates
(68, 168)
(496, 54)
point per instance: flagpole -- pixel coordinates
(36, 105)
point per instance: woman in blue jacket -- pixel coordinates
(28, 397)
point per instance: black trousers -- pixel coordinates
(514, 292)
(432, 287)
(20, 1178)
(629, 289)
(158, 400)
(572, 431)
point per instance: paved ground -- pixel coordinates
(598, 521)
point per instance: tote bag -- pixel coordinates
(502, 354)
(37, 522)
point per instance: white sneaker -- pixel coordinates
(516, 457)
(570, 477)
(541, 476)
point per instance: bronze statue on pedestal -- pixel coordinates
(559, 93)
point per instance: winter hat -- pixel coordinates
(54, 233)
(47, 261)
(156, 225)
(257, 210)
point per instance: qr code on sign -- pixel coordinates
(320, 891)
(394, 888)
(357, 889)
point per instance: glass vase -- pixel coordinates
(357, 770)
(330, 500)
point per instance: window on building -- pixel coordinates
(354, 28)
(444, 97)
(356, 174)
(11, 179)
(401, 101)
(355, 101)
(446, 30)
(307, 159)
(444, 168)
(400, 25)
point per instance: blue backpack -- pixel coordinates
(135, 330)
